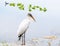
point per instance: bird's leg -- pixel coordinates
(24, 38)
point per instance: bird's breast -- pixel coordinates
(23, 27)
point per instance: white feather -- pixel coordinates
(23, 26)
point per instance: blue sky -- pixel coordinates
(47, 23)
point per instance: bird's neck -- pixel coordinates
(29, 18)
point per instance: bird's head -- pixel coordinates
(31, 17)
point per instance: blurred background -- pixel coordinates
(47, 23)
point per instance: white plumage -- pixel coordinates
(24, 25)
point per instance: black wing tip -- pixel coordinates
(19, 37)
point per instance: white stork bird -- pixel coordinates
(24, 25)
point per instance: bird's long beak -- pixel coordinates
(34, 19)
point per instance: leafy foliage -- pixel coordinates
(12, 4)
(30, 7)
(45, 10)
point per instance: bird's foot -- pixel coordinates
(22, 44)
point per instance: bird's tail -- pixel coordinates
(19, 37)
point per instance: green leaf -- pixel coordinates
(33, 8)
(21, 8)
(41, 9)
(12, 4)
(30, 10)
(30, 5)
(22, 5)
(19, 4)
(37, 6)
(45, 10)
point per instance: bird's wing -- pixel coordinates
(23, 27)
(22, 30)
